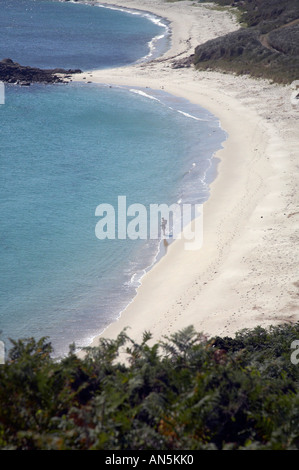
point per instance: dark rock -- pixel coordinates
(7, 61)
(183, 63)
(12, 72)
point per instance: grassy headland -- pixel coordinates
(267, 44)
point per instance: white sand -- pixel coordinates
(246, 273)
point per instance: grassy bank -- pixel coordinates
(267, 44)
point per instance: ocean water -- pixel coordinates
(65, 149)
(51, 34)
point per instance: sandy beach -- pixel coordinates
(246, 273)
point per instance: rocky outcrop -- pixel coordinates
(183, 63)
(12, 72)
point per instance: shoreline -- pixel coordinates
(245, 273)
(190, 111)
(152, 17)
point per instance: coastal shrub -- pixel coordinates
(267, 48)
(187, 392)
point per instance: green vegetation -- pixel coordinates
(189, 392)
(267, 48)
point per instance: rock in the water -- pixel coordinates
(12, 72)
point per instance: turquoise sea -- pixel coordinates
(65, 149)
